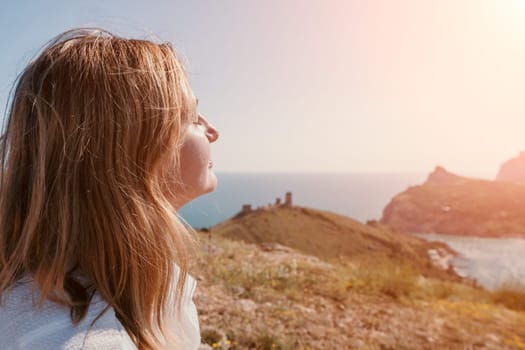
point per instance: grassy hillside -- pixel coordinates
(447, 203)
(280, 298)
(298, 278)
(328, 236)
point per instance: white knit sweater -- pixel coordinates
(24, 326)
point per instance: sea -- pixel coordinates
(491, 261)
(361, 196)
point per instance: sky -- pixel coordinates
(327, 85)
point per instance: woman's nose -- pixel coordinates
(211, 132)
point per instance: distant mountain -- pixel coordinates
(452, 204)
(326, 235)
(513, 170)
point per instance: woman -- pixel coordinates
(103, 144)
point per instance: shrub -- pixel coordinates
(268, 342)
(211, 336)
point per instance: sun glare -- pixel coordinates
(512, 15)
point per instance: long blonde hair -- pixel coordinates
(93, 120)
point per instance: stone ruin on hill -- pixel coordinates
(247, 208)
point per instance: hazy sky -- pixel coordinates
(364, 85)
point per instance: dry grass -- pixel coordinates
(511, 296)
(258, 274)
(380, 275)
(287, 288)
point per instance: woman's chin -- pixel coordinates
(208, 185)
(212, 181)
(195, 190)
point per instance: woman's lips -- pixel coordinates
(210, 164)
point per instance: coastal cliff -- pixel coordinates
(513, 170)
(451, 204)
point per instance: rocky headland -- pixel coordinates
(513, 170)
(451, 204)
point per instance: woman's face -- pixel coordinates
(196, 167)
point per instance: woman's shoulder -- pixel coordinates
(24, 325)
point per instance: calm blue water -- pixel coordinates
(358, 195)
(493, 262)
